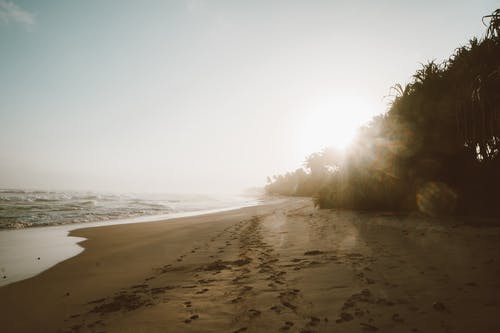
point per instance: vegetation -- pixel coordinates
(436, 149)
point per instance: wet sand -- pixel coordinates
(27, 252)
(283, 267)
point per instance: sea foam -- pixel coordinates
(24, 208)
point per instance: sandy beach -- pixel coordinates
(281, 267)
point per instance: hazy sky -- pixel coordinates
(199, 95)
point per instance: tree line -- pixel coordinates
(435, 150)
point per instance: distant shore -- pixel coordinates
(274, 267)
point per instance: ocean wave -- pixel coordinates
(27, 208)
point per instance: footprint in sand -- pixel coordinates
(190, 319)
(254, 313)
(287, 326)
(289, 305)
(368, 328)
(313, 253)
(369, 281)
(204, 290)
(344, 317)
(314, 321)
(397, 318)
(246, 288)
(275, 308)
(236, 300)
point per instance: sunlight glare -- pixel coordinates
(333, 123)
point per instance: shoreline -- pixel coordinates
(278, 267)
(26, 252)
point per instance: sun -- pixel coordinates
(333, 123)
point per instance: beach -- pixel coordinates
(283, 266)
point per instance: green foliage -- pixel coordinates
(436, 149)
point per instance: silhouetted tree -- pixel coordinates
(436, 149)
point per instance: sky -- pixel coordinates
(199, 96)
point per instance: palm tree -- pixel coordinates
(494, 25)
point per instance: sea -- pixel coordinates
(31, 208)
(35, 225)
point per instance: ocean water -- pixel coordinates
(24, 208)
(26, 252)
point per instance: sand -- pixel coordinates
(27, 252)
(282, 267)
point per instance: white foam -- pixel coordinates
(25, 253)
